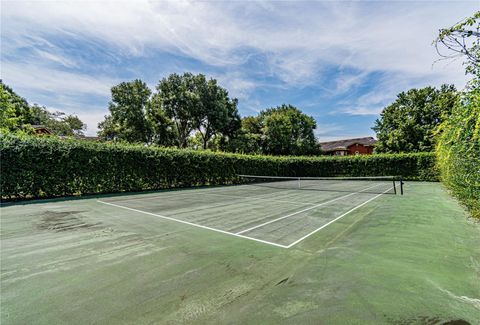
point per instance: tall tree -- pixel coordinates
(218, 114)
(408, 124)
(193, 103)
(247, 139)
(164, 129)
(127, 110)
(178, 97)
(288, 131)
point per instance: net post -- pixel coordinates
(394, 186)
(298, 180)
(401, 185)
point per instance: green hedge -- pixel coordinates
(36, 167)
(458, 150)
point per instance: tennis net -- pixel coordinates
(375, 184)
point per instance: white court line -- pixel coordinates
(258, 198)
(304, 210)
(240, 200)
(190, 192)
(176, 192)
(193, 224)
(339, 217)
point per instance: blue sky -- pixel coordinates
(340, 62)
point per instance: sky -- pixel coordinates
(340, 62)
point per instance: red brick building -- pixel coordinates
(357, 146)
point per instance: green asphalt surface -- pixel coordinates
(412, 259)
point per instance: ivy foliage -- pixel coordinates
(458, 146)
(458, 150)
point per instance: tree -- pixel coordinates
(108, 129)
(283, 130)
(409, 124)
(193, 103)
(127, 110)
(8, 118)
(164, 129)
(57, 122)
(218, 113)
(178, 98)
(16, 114)
(462, 40)
(75, 124)
(14, 110)
(246, 139)
(288, 131)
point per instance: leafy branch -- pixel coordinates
(462, 39)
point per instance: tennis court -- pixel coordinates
(217, 255)
(279, 211)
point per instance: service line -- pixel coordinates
(306, 209)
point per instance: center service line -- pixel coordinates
(332, 221)
(306, 209)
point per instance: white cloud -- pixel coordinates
(92, 120)
(66, 62)
(31, 76)
(363, 110)
(299, 42)
(385, 92)
(237, 84)
(345, 82)
(324, 130)
(298, 38)
(370, 103)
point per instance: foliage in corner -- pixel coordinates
(458, 146)
(458, 151)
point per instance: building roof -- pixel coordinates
(41, 128)
(344, 144)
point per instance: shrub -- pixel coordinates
(36, 167)
(458, 151)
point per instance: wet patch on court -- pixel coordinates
(64, 221)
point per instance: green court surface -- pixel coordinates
(243, 254)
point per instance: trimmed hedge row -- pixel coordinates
(35, 167)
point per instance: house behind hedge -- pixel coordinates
(346, 147)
